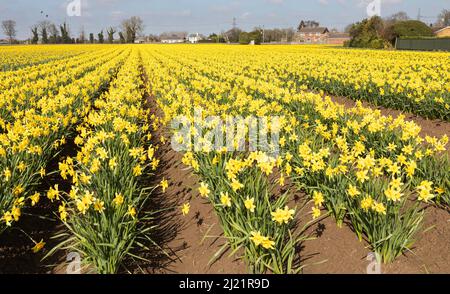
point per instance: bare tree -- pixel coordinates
(290, 33)
(153, 38)
(65, 33)
(399, 16)
(53, 33)
(101, 37)
(348, 28)
(122, 38)
(43, 30)
(82, 35)
(132, 27)
(9, 28)
(233, 34)
(444, 18)
(34, 31)
(111, 31)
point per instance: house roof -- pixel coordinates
(171, 37)
(442, 29)
(339, 35)
(321, 30)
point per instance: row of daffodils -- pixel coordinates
(105, 211)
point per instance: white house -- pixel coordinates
(172, 38)
(140, 40)
(194, 38)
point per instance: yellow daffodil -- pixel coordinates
(316, 212)
(164, 185)
(283, 215)
(131, 211)
(235, 185)
(38, 246)
(367, 203)
(258, 240)
(53, 193)
(118, 200)
(379, 208)
(35, 199)
(204, 190)
(249, 204)
(225, 200)
(425, 190)
(318, 199)
(185, 209)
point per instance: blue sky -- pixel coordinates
(206, 16)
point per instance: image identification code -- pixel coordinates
(226, 284)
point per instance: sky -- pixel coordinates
(204, 16)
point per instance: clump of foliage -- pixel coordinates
(407, 29)
(367, 34)
(378, 33)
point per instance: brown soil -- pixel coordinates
(338, 250)
(198, 235)
(16, 255)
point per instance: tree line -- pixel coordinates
(379, 33)
(374, 32)
(46, 32)
(258, 35)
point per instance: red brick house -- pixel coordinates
(312, 35)
(338, 38)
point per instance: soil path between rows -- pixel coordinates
(198, 236)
